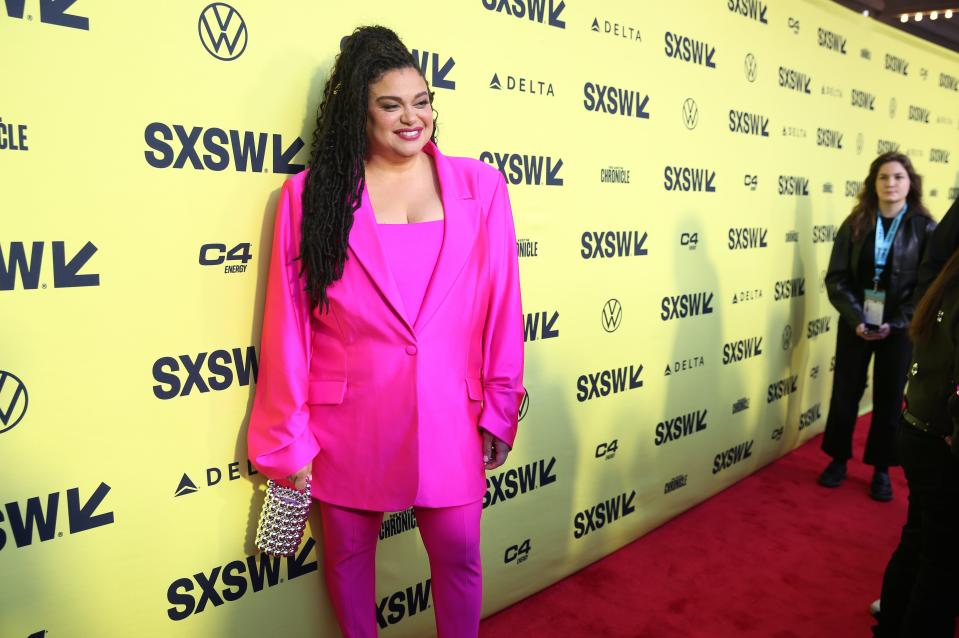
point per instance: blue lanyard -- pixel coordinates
(884, 242)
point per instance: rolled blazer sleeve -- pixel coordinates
(503, 332)
(279, 439)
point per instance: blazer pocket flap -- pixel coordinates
(474, 388)
(326, 392)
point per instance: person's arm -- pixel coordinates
(503, 331)
(903, 314)
(839, 279)
(939, 248)
(279, 439)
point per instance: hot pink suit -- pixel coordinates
(355, 389)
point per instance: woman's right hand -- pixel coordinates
(872, 335)
(300, 478)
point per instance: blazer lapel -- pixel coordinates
(461, 218)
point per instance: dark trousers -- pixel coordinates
(893, 355)
(920, 588)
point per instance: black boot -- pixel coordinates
(881, 488)
(833, 475)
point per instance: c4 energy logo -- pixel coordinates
(595, 385)
(829, 138)
(218, 149)
(24, 520)
(948, 82)
(195, 594)
(522, 85)
(752, 9)
(782, 388)
(824, 234)
(686, 305)
(810, 416)
(546, 12)
(541, 325)
(218, 363)
(13, 137)
(918, 114)
(403, 604)
(746, 238)
(742, 349)
(600, 98)
(686, 179)
(612, 315)
(603, 513)
(680, 426)
(789, 288)
(817, 327)
(896, 64)
(517, 553)
(13, 400)
(531, 170)
(793, 185)
(51, 12)
(690, 113)
(795, 80)
(514, 482)
(687, 49)
(748, 123)
(832, 41)
(66, 273)
(732, 456)
(222, 31)
(608, 244)
(939, 156)
(616, 29)
(430, 66)
(216, 254)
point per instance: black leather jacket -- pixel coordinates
(842, 278)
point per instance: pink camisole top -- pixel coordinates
(412, 251)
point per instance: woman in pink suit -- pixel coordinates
(391, 358)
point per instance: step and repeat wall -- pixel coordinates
(677, 173)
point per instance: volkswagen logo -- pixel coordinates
(860, 143)
(13, 400)
(524, 406)
(892, 107)
(222, 31)
(612, 315)
(752, 68)
(787, 337)
(690, 113)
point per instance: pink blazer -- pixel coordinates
(389, 411)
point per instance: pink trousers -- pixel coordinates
(451, 536)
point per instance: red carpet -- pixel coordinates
(774, 556)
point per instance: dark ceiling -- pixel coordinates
(942, 31)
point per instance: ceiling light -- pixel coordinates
(904, 18)
(919, 17)
(948, 13)
(934, 15)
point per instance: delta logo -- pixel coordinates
(616, 30)
(518, 84)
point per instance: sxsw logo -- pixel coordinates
(52, 12)
(36, 521)
(948, 82)
(686, 179)
(752, 9)
(430, 67)
(823, 234)
(194, 594)
(686, 305)
(832, 41)
(66, 272)
(545, 12)
(540, 325)
(782, 388)
(606, 382)
(748, 123)
(222, 31)
(608, 244)
(886, 146)
(243, 151)
(522, 85)
(224, 366)
(689, 50)
(810, 416)
(617, 30)
(828, 138)
(918, 114)
(402, 604)
(732, 456)
(790, 288)
(680, 426)
(863, 100)
(600, 98)
(897, 64)
(603, 513)
(13, 400)
(853, 186)
(747, 238)
(514, 482)
(793, 185)
(795, 81)
(817, 327)
(531, 170)
(742, 349)
(939, 156)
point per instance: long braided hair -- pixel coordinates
(337, 177)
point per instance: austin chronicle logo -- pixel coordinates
(612, 315)
(524, 406)
(787, 336)
(222, 31)
(13, 400)
(752, 69)
(892, 107)
(690, 113)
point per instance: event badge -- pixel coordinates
(875, 301)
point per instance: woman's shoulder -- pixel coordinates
(474, 168)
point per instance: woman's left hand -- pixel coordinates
(495, 451)
(883, 331)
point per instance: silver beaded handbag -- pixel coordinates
(282, 519)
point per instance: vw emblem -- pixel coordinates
(524, 406)
(752, 69)
(787, 337)
(860, 143)
(892, 107)
(13, 400)
(690, 113)
(612, 315)
(222, 31)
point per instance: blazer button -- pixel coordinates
(411, 350)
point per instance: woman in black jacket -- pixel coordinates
(871, 278)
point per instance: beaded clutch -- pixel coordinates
(282, 519)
